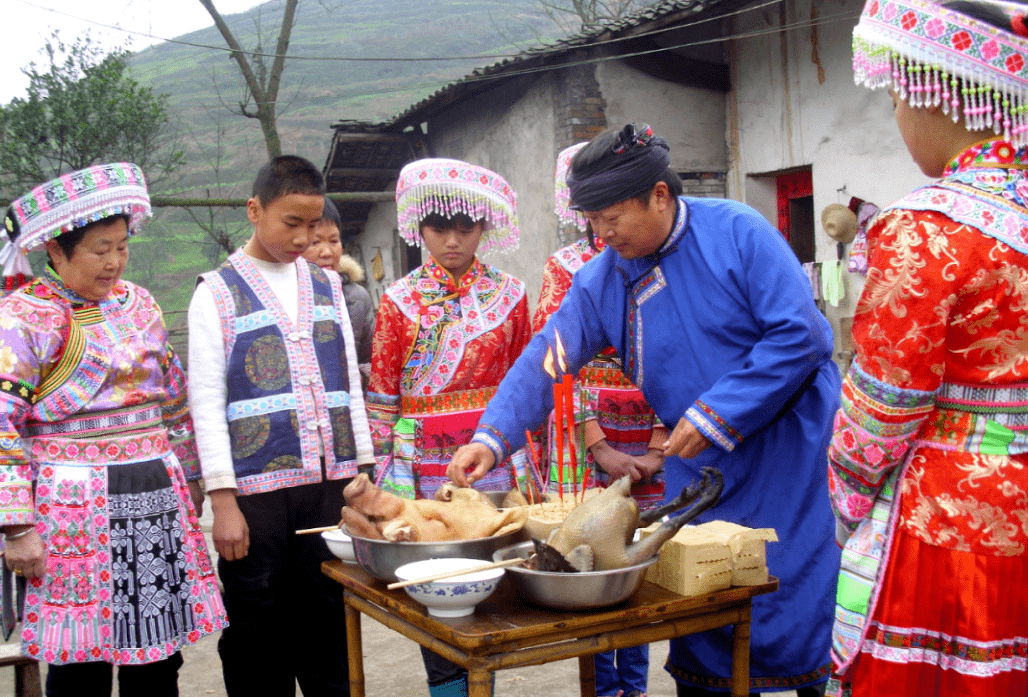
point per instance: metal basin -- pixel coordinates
(381, 558)
(582, 591)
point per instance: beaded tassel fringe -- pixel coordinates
(920, 85)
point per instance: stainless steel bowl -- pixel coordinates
(381, 558)
(582, 591)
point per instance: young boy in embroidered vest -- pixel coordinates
(445, 335)
(281, 428)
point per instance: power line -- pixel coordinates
(827, 19)
(398, 59)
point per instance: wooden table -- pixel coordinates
(507, 632)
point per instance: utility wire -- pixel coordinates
(802, 24)
(395, 59)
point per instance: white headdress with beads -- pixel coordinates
(934, 56)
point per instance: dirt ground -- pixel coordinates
(392, 666)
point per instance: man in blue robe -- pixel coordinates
(714, 320)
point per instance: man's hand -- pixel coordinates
(231, 533)
(474, 456)
(686, 441)
(196, 494)
(25, 556)
(616, 463)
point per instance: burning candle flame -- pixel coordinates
(561, 362)
(548, 364)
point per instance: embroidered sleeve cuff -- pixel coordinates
(188, 457)
(494, 440)
(712, 426)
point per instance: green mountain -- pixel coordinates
(318, 89)
(223, 150)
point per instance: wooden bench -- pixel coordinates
(26, 670)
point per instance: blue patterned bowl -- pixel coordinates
(450, 597)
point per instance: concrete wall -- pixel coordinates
(690, 119)
(781, 115)
(381, 237)
(510, 130)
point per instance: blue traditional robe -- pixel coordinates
(718, 326)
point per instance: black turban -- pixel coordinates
(635, 162)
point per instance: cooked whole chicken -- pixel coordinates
(597, 535)
(457, 514)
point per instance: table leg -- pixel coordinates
(480, 683)
(741, 659)
(355, 651)
(587, 675)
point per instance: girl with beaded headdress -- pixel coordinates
(98, 463)
(445, 335)
(929, 461)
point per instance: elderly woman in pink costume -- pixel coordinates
(929, 462)
(98, 466)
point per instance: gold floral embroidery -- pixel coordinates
(968, 523)
(893, 286)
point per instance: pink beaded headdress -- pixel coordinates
(563, 197)
(74, 200)
(934, 56)
(449, 187)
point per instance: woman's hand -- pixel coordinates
(196, 494)
(686, 441)
(474, 456)
(26, 555)
(230, 532)
(616, 463)
(651, 463)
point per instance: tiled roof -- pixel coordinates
(605, 30)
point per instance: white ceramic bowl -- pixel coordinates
(340, 544)
(450, 597)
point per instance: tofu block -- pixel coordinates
(692, 562)
(749, 550)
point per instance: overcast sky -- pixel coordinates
(27, 24)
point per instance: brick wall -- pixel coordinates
(579, 115)
(703, 184)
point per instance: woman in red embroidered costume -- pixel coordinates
(445, 336)
(446, 333)
(929, 462)
(96, 447)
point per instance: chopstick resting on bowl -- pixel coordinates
(456, 572)
(311, 531)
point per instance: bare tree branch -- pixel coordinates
(261, 83)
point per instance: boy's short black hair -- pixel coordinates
(441, 222)
(284, 175)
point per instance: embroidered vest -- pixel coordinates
(287, 385)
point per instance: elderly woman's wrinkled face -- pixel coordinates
(326, 247)
(96, 263)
